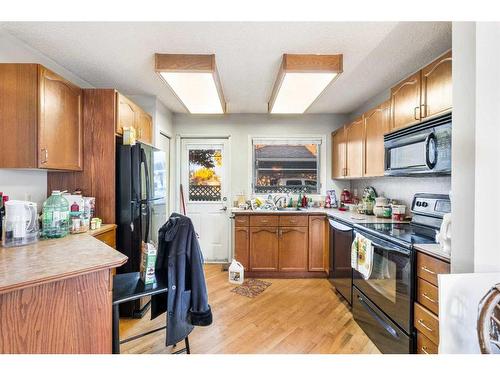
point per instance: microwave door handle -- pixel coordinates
(431, 137)
(379, 320)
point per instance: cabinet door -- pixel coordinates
(338, 153)
(241, 245)
(144, 127)
(437, 87)
(60, 135)
(293, 249)
(376, 124)
(405, 102)
(264, 249)
(317, 243)
(126, 116)
(355, 137)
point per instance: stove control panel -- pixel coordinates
(435, 205)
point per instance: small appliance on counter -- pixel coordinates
(382, 207)
(21, 223)
(444, 235)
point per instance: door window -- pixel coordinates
(205, 171)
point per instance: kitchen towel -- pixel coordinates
(365, 256)
(354, 253)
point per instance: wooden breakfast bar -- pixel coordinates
(56, 296)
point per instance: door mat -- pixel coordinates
(251, 288)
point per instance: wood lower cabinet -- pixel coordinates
(289, 245)
(293, 248)
(264, 248)
(41, 119)
(354, 155)
(242, 246)
(426, 309)
(405, 102)
(437, 88)
(377, 123)
(339, 153)
(318, 243)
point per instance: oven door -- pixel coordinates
(390, 285)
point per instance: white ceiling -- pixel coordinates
(121, 55)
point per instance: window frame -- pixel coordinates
(306, 138)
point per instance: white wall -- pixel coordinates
(241, 126)
(28, 184)
(487, 172)
(463, 150)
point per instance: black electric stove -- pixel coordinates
(382, 302)
(404, 234)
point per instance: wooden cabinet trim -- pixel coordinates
(444, 80)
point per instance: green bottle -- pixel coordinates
(299, 200)
(55, 216)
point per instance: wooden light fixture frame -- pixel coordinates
(306, 63)
(190, 63)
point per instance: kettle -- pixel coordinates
(444, 235)
(21, 223)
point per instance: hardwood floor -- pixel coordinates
(291, 316)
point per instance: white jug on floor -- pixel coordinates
(236, 272)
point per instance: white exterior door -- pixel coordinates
(205, 182)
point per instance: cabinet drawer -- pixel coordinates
(263, 220)
(293, 221)
(241, 221)
(427, 323)
(425, 346)
(428, 295)
(428, 268)
(109, 238)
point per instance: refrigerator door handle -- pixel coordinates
(148, 222)
(146, 172)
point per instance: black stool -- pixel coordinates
(129, 287)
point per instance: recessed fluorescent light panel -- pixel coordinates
(301, 80)
(194, 80)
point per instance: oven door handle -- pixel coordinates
(379, 320)
(338, 226)
(384, 245)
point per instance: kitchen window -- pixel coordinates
(283, 165)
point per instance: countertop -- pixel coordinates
(347, 216)
(54, 259)
(103, 229)
(433, 250)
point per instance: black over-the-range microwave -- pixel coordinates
(420, 149)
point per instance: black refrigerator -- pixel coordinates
(141, 207)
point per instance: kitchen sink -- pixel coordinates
(290, 209)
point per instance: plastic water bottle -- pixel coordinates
(55, 216)
(236, 272)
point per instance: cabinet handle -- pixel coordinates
(45, 155)
(423, 110)
(264, 221)
(428, 298)
(277, 232)
(424, 268)
(423, 349)
(415, 113)
(421, 321)
(280, 233)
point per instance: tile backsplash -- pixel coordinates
(404, 188)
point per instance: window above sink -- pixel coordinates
(286, 165)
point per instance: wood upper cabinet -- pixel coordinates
(339, 153)
(41, 119)
(242, 246)
(129, 115)
(318, 243)
(144, 127)
(376, 125)
(264, 247)
(437, 87)
(126, 113)
(60, 134)
(293, 248)
(355, 139)
(405, 102)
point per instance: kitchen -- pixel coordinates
(332, 209)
